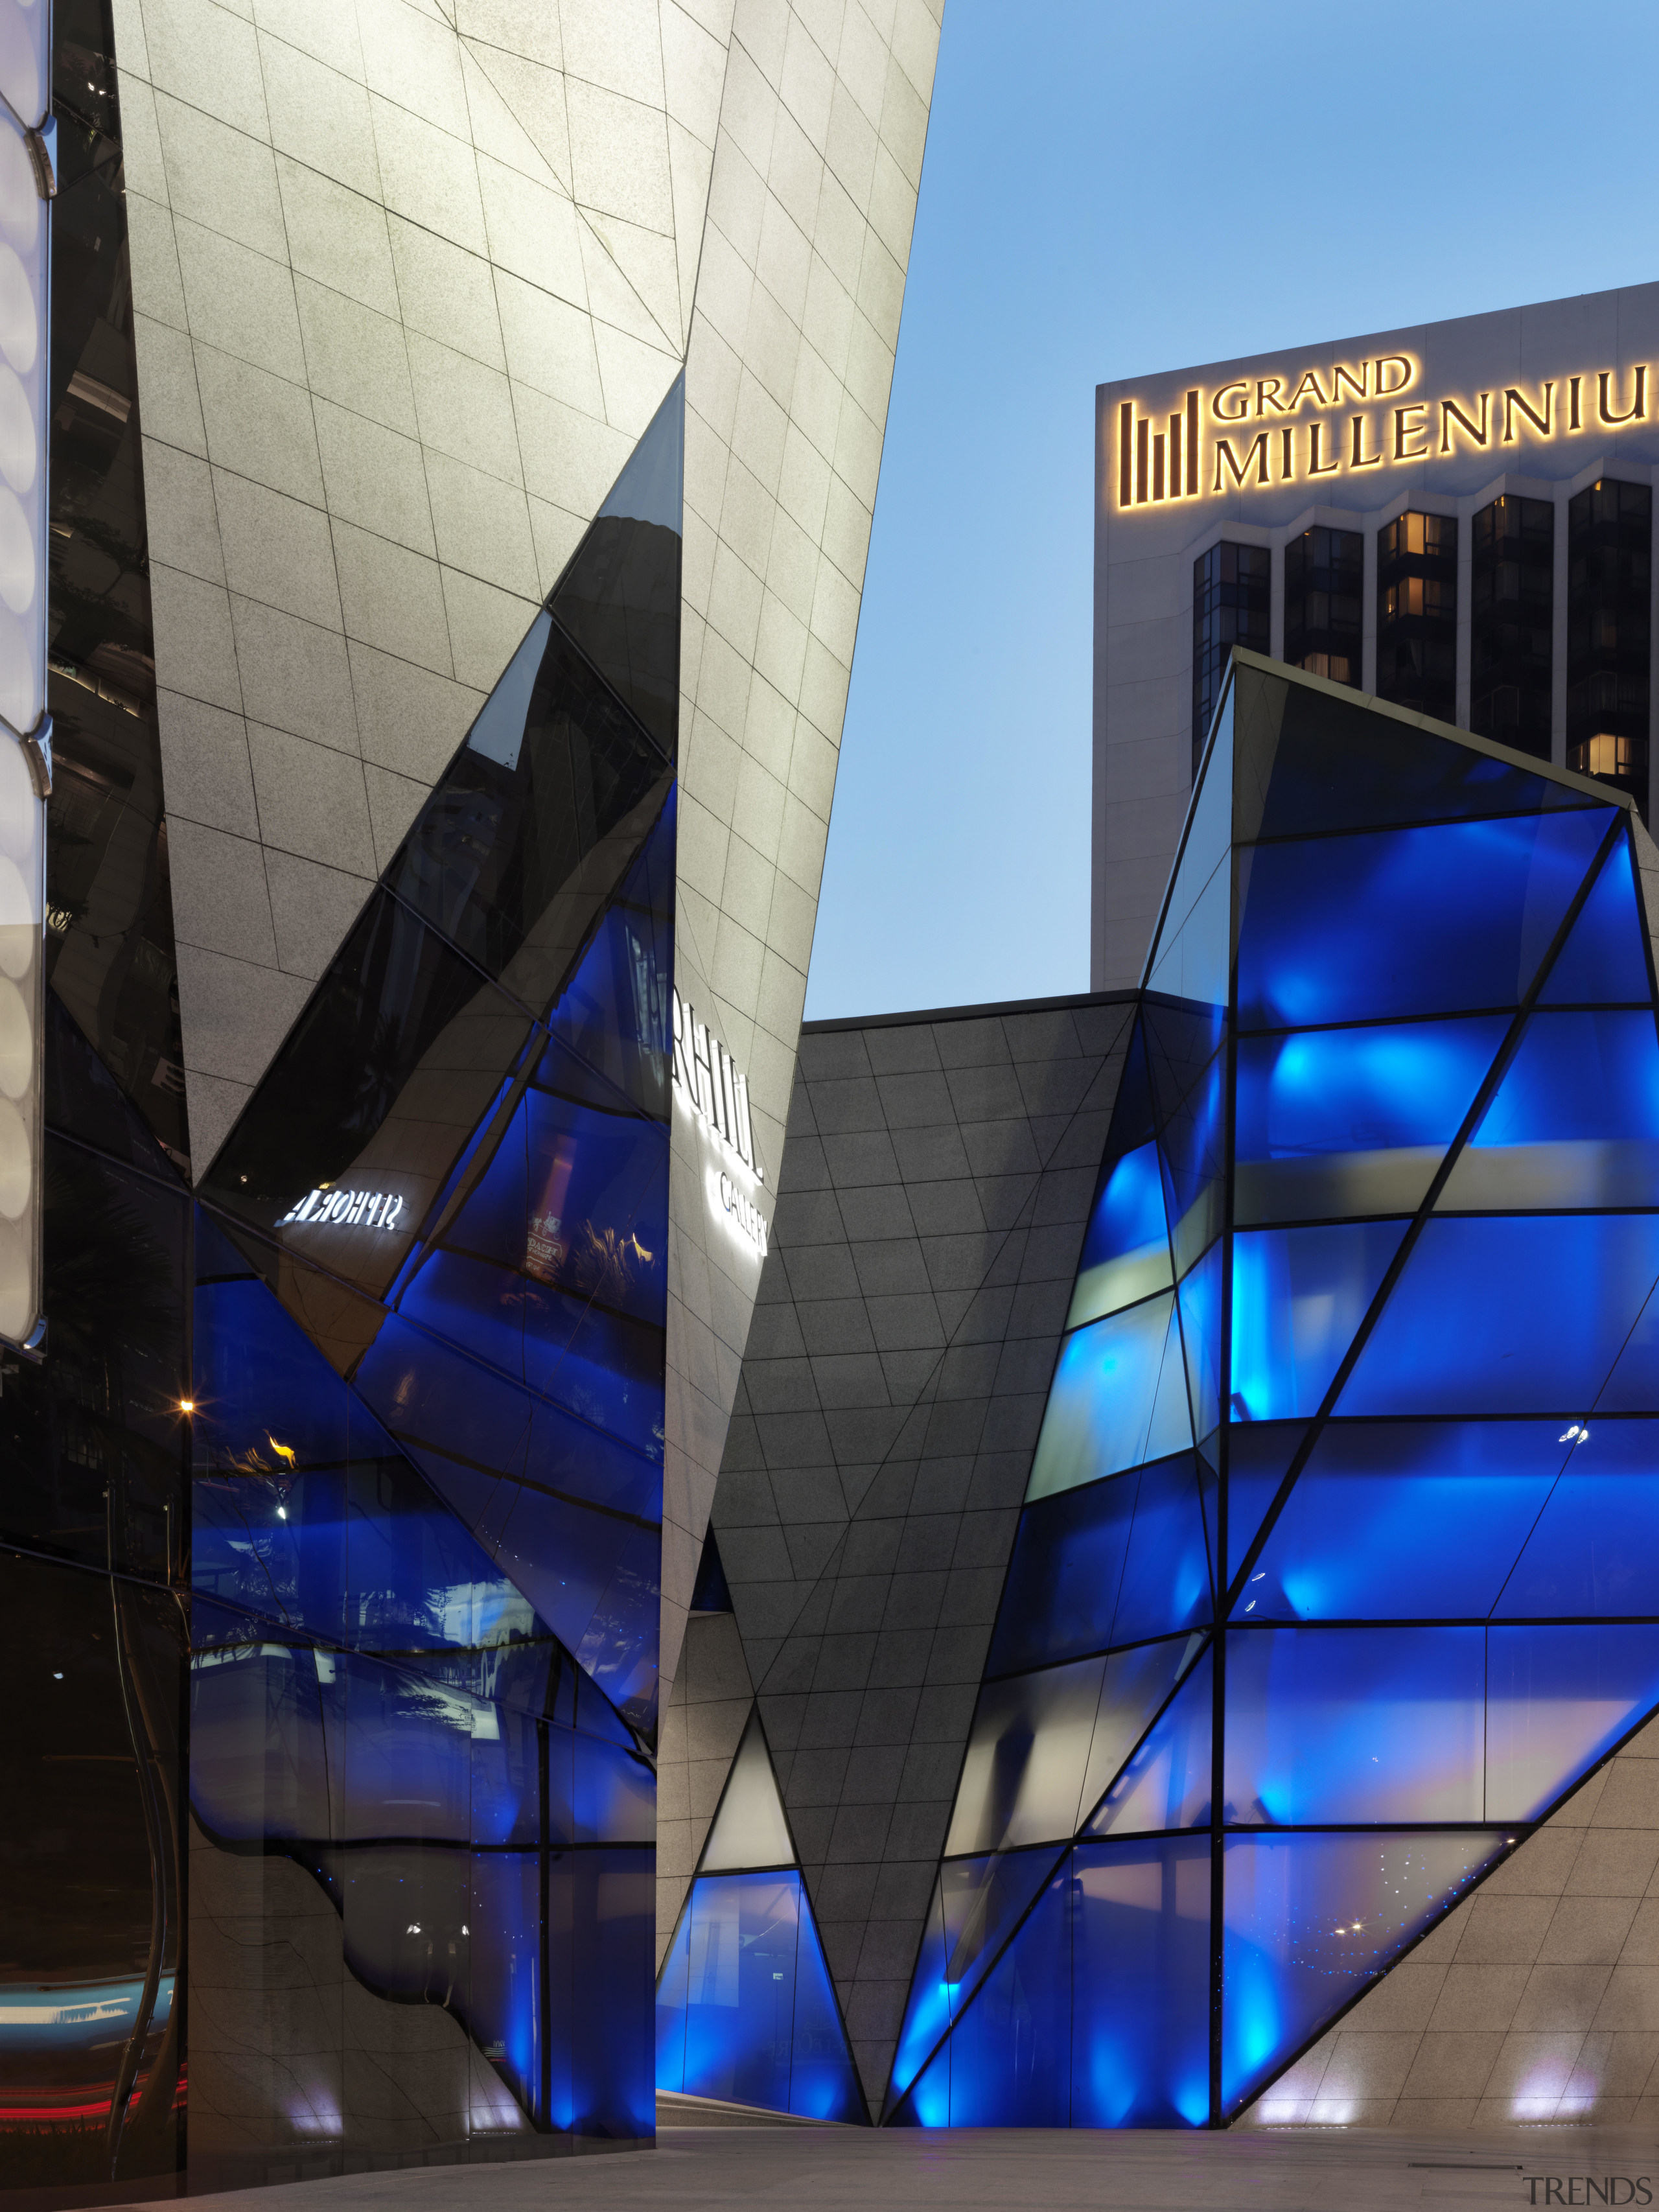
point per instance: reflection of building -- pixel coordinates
(463, 446)
(1461, 513)
(1189, 1523)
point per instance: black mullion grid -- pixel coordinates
(1425, 1214)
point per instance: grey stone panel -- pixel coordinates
(931, 1204)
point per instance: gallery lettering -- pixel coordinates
(1346, 421)
(712, 1084)
(352, 1209)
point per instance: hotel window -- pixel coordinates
(1324, 580)
(1416, 614)
(1512, 595)
(1231, 586)
(1609, 566)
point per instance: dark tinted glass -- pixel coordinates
(110, 952)
(1308, 762)
(380, 1084)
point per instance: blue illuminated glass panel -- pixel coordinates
(1167, 1783)
(1258, 1457)
(1407, 1521)
(1574, 1121)
(1299, 1295)
(1309, 1920)
(1166, 1575)
(1118, 1397)
(746, 2012)
(1011, 2052)
(1560, 1698)
(1507, 1316)
(1125, 1252)
(1450, 919)
(976, 1903)
(1063, 1578)
(1603, 962)
(1192, 1152)
(1200, 1301)
(1353, 1120)
(1596, 1548)
(1140, 1918)
(1354, 1724)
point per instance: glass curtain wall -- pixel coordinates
(428, 1447)
(1231, 605)
(1336, 1569)
(1512, 597)
(1324, 590)
(746, 2012)
(1609, 634)
(93, 1442)
(1416, 614)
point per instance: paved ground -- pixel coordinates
(854, 2170)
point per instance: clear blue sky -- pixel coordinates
(1111, 191)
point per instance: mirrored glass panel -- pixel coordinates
(1166, 1785)
(1022, 1773)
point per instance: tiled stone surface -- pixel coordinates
(1535, 2000)
(935, 1187)
(400, 320)
(811, 163)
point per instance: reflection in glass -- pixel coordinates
(1167, 1783)
(1309, 1920)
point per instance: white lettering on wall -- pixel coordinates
(352, 1209)
(713, 1086)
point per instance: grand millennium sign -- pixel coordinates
(1345, 417)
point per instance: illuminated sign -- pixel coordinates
(351, 1209)
(708, 1079)
(710, 1082)
(1344, 420)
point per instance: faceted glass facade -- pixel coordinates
(1336, 1570)
(337, 1505)
(746, 2013)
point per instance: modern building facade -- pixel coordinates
(1456, 518)
(1308, 1772)
(465, 433)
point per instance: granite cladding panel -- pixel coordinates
(932, 1201)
